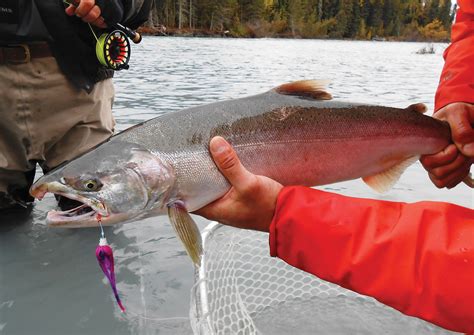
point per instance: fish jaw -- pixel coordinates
(59, 219)
(87, 214)
(94, 205)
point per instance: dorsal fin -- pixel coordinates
(385, 180)
(309, 89)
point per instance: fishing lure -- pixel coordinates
(105, 257)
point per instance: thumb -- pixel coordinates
(228, 162)
(463, 133)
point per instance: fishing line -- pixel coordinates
(142, 286)
(136, 315)
(99, 220)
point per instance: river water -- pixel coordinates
(50, 282)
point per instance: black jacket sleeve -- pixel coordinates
(111, 10)
(131, 13)
(136, 12)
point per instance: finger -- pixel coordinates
(93, 15)
(454, 184)
(84, 7)
(453, 179)
(100, 23)
(446, 170)
(462, 131)
(469, 181)
(220, 209)
(442, 158)
(228, 163)
(70, 10)
(210, 211)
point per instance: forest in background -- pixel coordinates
(408, 20)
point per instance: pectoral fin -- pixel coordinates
(187, 231)
(384, 181)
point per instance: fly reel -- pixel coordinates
(113, 50)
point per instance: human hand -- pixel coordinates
(251, 201)
(451, 166)
(88, 11)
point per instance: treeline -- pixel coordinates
(354, 19)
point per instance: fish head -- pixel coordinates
(116, 182)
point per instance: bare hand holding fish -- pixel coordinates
(451, 166)
(250, 203)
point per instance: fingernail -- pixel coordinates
(468, 149)
(219, 145)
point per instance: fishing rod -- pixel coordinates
(113, 49)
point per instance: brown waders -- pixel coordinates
(45, 120)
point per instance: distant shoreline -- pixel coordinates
(161, 31)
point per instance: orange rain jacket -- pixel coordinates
(457, 79)
(417, 258)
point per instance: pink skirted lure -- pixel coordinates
(105, 256)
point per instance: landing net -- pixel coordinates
(240, 289)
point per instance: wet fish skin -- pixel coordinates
(163, 165)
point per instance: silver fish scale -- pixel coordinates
(197, 179)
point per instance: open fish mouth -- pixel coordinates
(87, 211)
(78, 213)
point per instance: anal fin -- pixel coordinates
(384, 181)
(187, 231)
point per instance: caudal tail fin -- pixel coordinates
(469, 181)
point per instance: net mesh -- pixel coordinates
(240, 289)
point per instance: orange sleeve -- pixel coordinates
(457, 78)
(417, 258)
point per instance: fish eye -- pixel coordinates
(92, 185)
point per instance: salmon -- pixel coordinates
(295, 134)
